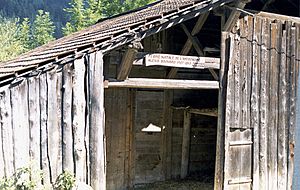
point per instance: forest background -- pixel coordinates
(27, 24)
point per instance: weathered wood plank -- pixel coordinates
(292, 92)
(233, 17)
(163, 84)
(20, 124)
(44, 128)
(185, 150)
(67, 132)
(196, 44)
(264, 106)
(34, 120)
(255, 95)
(54, 132)
(6, 132)
(272, 128)
(97, 124)
(2, 166)
(282, 115)
(78, 123)
(219, 166)
(229, 104)
(127, 60)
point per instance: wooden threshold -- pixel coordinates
(162, 84)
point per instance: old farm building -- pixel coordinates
(179, 89)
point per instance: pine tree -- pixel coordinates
(42, 29)
(24, 34)
(9, 44)
(76, 13)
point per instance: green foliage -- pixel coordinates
(28, 178)
(65, 181)
(113, 7)
(9, 44)
(23, 179)
(24, 34)
(76, 13)
(42, 29)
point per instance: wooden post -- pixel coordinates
(44, 128)
(54, 132)
(67, 132)
(219, 167)
(185, 154)
(97, 123)
(79, 108)
(6, 132)
(19, 104)
(34, 120)
(128, 59)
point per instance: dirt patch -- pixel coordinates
(177, 185)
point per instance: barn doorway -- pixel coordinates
(159, 147)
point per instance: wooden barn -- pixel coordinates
(179, 89)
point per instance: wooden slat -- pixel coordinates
(7, 132)
(282, 114)
(97, 123)
(34, 120)
(264, 105)
(67, 132)
(2, 166)
(292, 103)
(78, 123)
(219, 166)
(229, 105)
(44, 128)
(54, 133)
(163, 84)
(19, 104)
(185, 150)
(255, 95)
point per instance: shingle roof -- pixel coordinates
(112, 32)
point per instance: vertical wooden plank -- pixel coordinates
(255, 95)
(34, 120)
(2, 166)
(185, 151)
(67, 132)
(292, 91)
(264, 106)
(78, 124)
(238, 76)
(296, 182)
(97, 123)
(273, 117)
(283, 115)
(44, 128)
(6, 132)
(59, 89)
(19, 104)
(219, 166)
(52, 123)
(167, 134)
(87, 122)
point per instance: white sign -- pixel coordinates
(175, 61)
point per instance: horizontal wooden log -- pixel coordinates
(162, 84)
(179, 61)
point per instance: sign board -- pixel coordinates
(170, 60)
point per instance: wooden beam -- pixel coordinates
(188, 44)
(185, 151)
(128, 60)
(162, 84)
(180, 61)
(214, 74)
(234, 16)
(198, 47)
(208, 112)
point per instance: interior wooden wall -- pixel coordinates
(263, 74)
(53, 121)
